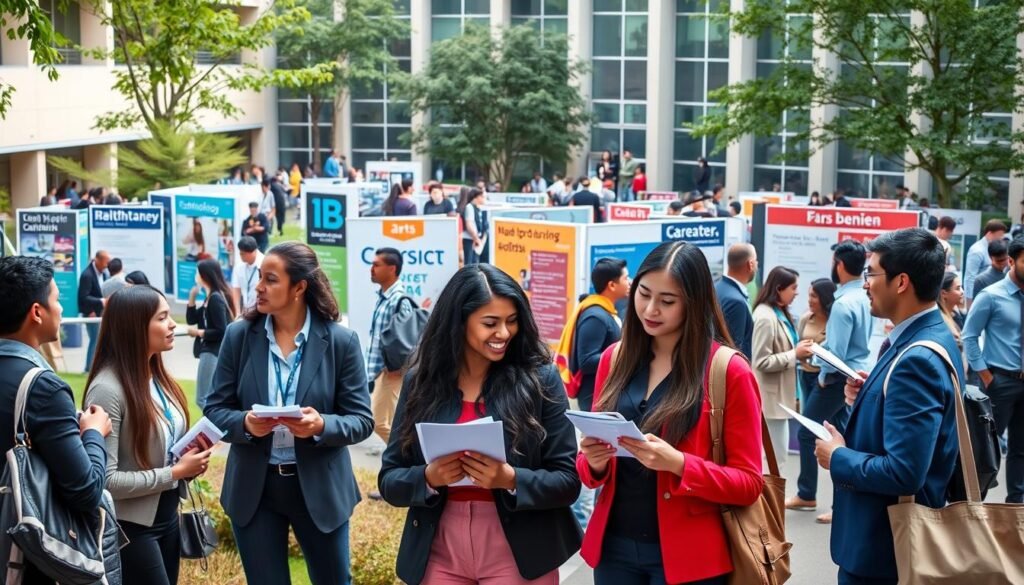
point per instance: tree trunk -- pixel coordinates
(945, 190)
(315, 104)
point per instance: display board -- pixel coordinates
(204, 228)
(801, 238)
(865, 203)
(747, 200)
(581, 214)
(328, 209)
(61, 236)
(661, 196)
(544, 257)
(628, 212)
(532, 199)
(968, 221)
(430, 254)
(393, 172)
(166, 201)
(132, 233)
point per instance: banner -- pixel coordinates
(61, 237)
(801, 238)
(581, 214)
(865, 203)
(430, 254)
(132, 233)
(632, 242)
(661, 196)
(167, 203)
(544, 258)
(531, 199)
(204, 228)
(628, 212)
(328, 209)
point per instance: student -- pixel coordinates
(438, 204)
(400, 202)
(149, 413)
(474, 229)
(208, 322)
(481, 355)
(245, 277)
(291, 472)
(658, 518)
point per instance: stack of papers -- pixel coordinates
(831, 359)
(204, 434)
(606, 426)
(264, 411)
(485, 436)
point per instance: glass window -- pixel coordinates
(764, 179)
(688, 115)
(293, 136)
(687, 147)
(607, 36)
(718, 75)
(690, 36)
(636, 6)
(605, 139)
(634, 114)
(291, 112)
(444, 28)
(607, 80)
(635, 82)
(556, 7)
(636, 36)
(394, 138)
(690, 81)
(364, 137)
(478, 6)
(606, 113)
(857, 183)
(446, 7)
(367, 113)
(528, 7)
(636, 141)
(607, 5)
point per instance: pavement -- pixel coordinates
(810, 560)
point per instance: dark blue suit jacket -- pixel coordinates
(899, 444)
(736, 310)
(332, 380)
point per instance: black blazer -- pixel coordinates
(213, 318)
(90, 295)
(332, 380)
(736, 310)
(537, 521)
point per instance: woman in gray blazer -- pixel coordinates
(149, 413)
(291, 472)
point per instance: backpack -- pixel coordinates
(400, 336)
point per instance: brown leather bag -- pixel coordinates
(756, 533)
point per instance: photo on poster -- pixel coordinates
(204, 229)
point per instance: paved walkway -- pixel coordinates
(810, 558)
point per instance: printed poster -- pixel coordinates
(326, 233)
(204, 229)
(131, 233)
(60, 237)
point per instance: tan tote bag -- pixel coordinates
(756, 533)
(968, 542)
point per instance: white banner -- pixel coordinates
(133, 233)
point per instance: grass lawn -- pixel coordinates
(292, 231)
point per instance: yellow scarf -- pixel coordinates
(569, 333)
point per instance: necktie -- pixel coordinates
(887, 344)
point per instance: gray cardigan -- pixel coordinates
(136, 491)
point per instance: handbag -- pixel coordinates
(198, 534)
(756, 533)
(965, 542)
(401, 335)
(984, 444)
(66, 545)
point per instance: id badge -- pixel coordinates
(283, 438)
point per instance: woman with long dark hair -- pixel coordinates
(950, 301)
(149, 413)
(481, 355)
(815, 401)
(283, 472)
(776, 348)
(208, 322)
(474, 229)
(399, 201)
(196, 242)
(659, 515)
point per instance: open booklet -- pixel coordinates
(485, 436)
(204, 434)
(607, 426)
(831, 359)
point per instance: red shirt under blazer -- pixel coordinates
(693, 542)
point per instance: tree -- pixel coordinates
(354, 50)
(170, 158)
(921, 85)
(495, 100)
(21, 19)
(159, 44)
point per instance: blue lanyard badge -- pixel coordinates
(284, 391)
(167, 409)
(248, 283)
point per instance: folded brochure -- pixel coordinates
(606, 426)
(831, 359)
(204, 434)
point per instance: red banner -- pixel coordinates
(625, 212)
(661, 196)
(861, 203)
(843, 218)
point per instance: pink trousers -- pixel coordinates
(470, 548)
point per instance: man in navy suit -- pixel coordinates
(91, 301)
(733, 297)
(898, 441)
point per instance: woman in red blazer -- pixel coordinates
(658, 517)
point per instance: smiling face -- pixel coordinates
(659, 304)
(161, 329)
(275, 290)
(951, 299)
(813, 301)
(490, 329)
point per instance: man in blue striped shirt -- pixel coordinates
(997, 313)
(385, 386)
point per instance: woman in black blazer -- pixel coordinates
(481, 355)
(291, 472)
(208, 322)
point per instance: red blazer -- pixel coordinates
(693, 543)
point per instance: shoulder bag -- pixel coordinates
(756, 533)
(400, 336)
(198, 535)
(966, 542)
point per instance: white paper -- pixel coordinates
(479, 249)
(606, 426)
(830, 358)
(818, 429)
(204, 434)
(264, 411)
(485, 436)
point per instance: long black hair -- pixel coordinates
(679, 410)
(779, 278)
(300, 263)
(211, 273)
(826, 291)
(397, 190)
(513, 385)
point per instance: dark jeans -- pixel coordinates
(851, 579)
(1007, 396)
(629, 562)
(468, 255)
(818, 404)
(152, 553)
(263, 543)
(280, 220)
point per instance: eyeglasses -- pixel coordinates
(867, 275)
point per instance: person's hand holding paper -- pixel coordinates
(837, 364)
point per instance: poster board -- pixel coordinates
(60, 236)
(581, 214)
(430, 254)
(866, 203)
(204, 228)
(747, 200)
(968, 221)
(529, 199)
(633, 241)
(132, 233)
(661, 196)
(391, 172)
(328, 209)
(800, 238)
(544, 257)
(166, 201)
(628, 212)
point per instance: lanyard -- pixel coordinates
(167, 409)
(248, 282)
(283, 392)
